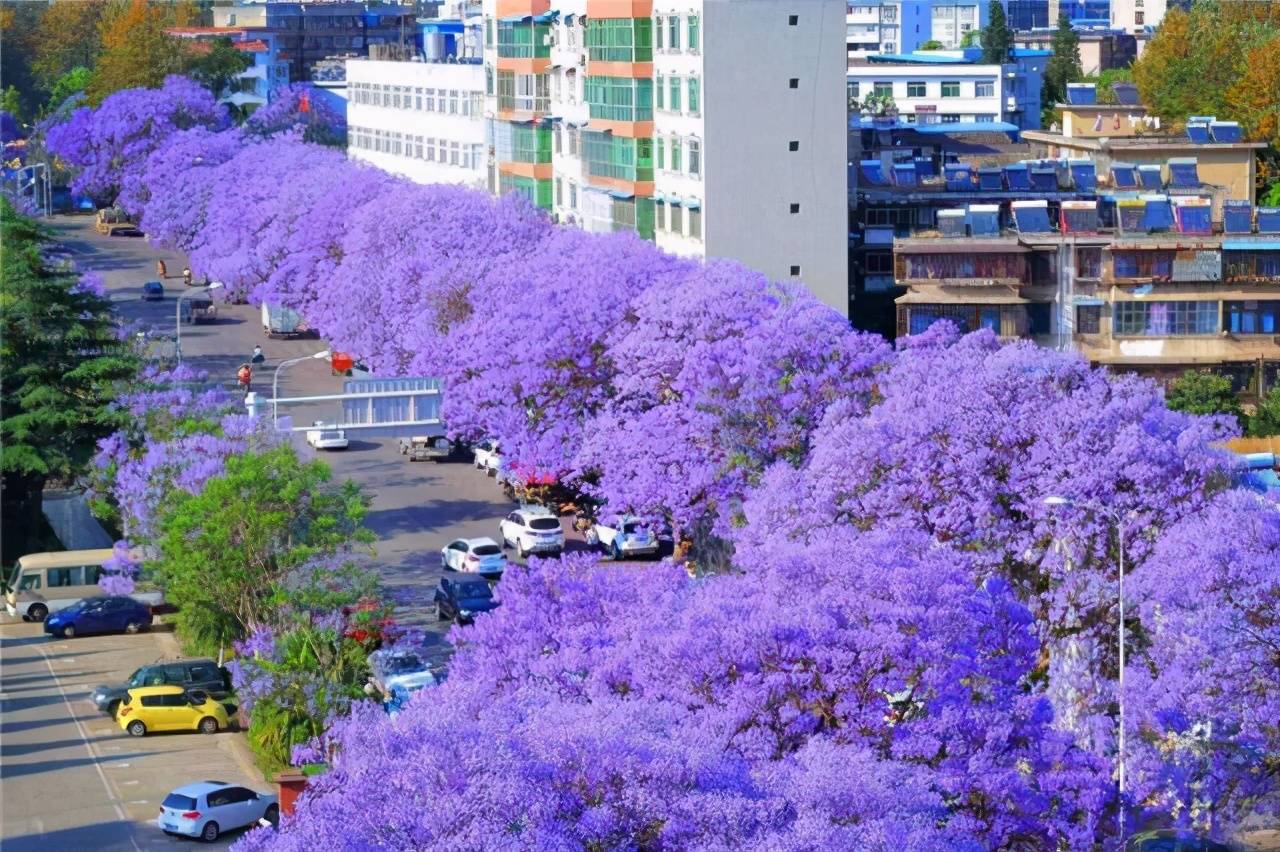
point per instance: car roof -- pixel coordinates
(199, 788)
(476, 542)
(536, 511)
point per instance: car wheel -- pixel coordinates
(272, 815)
(520, 551)
(137, 728)
(38, 612)
(208, 725)
(132, 627)
(210, 832)
(69, 632)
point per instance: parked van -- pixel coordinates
(41, 583)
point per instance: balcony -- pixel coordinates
(962, 262)
(1252, 267)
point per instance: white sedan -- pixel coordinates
(487, 457)
(532, 529)
(206, 809)
(474, 556)
(326, 437)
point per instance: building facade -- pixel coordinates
(257, 84)
(641, 115)
(886, 26)
(1101, 49)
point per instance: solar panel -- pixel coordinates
(991, 179)
(959, 177)
(1126, 94)
(925, 168)
(1083, 175)
(1182, 173)
(1194, 216)
(1198, 132)
(873, 172)
(1017, 176)
(1044, 178)
(951, 223)
(1082, 94)
(1225, 131)
(1032, 217)
(1079, 217)
(1269, 220)
(984, 220)
(1124, 176)
(1149, 177)
(1130, 213)
(904, 174)
(1237, 216)
(1158, 215)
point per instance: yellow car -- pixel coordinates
(170, 708)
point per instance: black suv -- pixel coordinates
(204, 675)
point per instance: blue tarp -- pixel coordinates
(1182, 173)
(959, 177)
(1084, 175)
(1149, 176)
(990, 179)
(1044, 178)
(1158, 215)
(1124, 175)
(1269, 220)
(1017, 176)
(873, 172)
(904, 174)
(1237, 217)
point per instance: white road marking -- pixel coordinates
(88, 746)
(120, 766)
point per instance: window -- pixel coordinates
(882, 89)
(677, 219)
(660, 156)
(488, 33)
(794, 83)
(620, 98)
(695, 95)
(1251, 317)
(795, 271)
(951, 88)
(695, 157)
(916, 89)
(673, 32)
(1143, 264)
(986, 89)
(694, 34)
(661, 87)
(793, 145)
(676, 151)
(453, 102)
(573, 195)
(984, 118)
(559, 192)
(950, 118)
(695, 223)
(879, 263)
(1139, 18)
(793, 20)
(204, 673)
(795, 208)
(1089, 263)
(30, 581)
(556, 137)
(620, 39)
(1161, 319)
(1088, 319)
(659, 30)
(417, 99)
(175, 674)
(660, 214)
(673, 95)
(852, 89)
(1039, 317)
(618, 157)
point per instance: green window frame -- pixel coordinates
(523, 40)
(619, 98)
(916, 89)
(633, 214)
(695, 96)
(530, 144)
(619, 157)
(659, 89)
(673, 94)
(660, 153)
(488, 33)
(694, 33)
(951, 88)
(658, 33)
(537, 191)
(882, 89)
(620, 39)
(677, 154)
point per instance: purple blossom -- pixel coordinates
(120, 572)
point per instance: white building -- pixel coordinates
(1139, 16)
(902, 26)
(717, 128)
(424, 120)
(952, 21)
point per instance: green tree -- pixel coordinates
(997, 38)
(216, 69)
(18, 23)
(69, 36)
(61, 364)
(1265, 422)
(973, 38)
(932, 44)
(137, 52)
(227, 553)
(1064, 66)
(1203, 392)
(73, 81)
(11, 101)
(1104, 81)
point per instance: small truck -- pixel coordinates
(426, 447)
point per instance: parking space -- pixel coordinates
(71, 778)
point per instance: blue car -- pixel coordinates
(99, 615)
(152, 291)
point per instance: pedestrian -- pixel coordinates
(245, 377)
(258, 357)
(161, 269)
(186, 276)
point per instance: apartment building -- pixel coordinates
(266, 72)
(712, 127)
(886, 26)
(1101, 48)
(951, 21)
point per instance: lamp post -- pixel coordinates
(275, 382)
(177, 318)
(1117, 520)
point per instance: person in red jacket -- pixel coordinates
(245, 377)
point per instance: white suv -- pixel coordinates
(487, 457)
(532, 529)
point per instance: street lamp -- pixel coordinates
(1117, 519)
(275, 382)
(177, 318)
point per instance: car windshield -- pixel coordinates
(330, 434)
(179, 803)
(486, 550)
(401, 663)
(474, 590)
(137, 677)
(633, 527)
(544, 524)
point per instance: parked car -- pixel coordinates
(116, 223)
(425, 448)
(460, 599)
(487, 457)
(623, 536)
(206, 809)
(199, 309)
(474, 555)
(148, 709)
(326, 436)
(113, 614)
(395, 674)
(203, 675)
(1174, 840)
(532, 529)
(152, 291)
